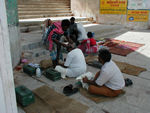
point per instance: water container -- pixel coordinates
(38, 72)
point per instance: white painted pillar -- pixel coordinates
(7, 93)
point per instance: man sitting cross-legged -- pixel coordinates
(109, 81)
(74, 65)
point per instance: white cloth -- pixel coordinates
(89, 75)
(81, 32)
(111, 76)
(62, 70)
(75, 62)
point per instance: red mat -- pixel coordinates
(122, 48)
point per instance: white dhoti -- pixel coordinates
(62, 70)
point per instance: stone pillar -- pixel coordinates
(12, 19)
(7, 93)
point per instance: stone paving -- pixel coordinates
(137, 97)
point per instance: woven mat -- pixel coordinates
(39, 106)
(96, 98)
(90, 58)
(59, 102)
(122, 48)
(129, 69)
(124, 67)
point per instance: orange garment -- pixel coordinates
(103, 90)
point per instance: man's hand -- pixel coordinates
(85, 79)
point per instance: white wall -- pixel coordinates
(7, 93)
(90, 8)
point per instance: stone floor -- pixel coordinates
(137, 97)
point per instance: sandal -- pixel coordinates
(69, 90)
(128, 82)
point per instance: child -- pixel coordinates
(91, 37)
(89, 45)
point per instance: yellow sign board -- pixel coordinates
(137, 15)
(113, 6)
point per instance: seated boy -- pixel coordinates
(109, 81)
(89, 45)
(74, 65)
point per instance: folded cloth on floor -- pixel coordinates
(120, 47)
(129, 69)
(124, 67)
(89, 75)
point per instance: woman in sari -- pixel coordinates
(54, 37)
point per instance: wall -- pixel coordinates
(87, 8)
(12, 19)
(90, 8)
(7, 92)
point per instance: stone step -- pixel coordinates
(85, 22)
(30, 28)
(30, 40)
(104, 32)
(39, 21)
(24, 1)
(111, 34)
(33, 48)
(38, 2)
(42, 6)
(43, 9)
(44, 15)
(43, 1)
(102, 28)
(32, 45)
(35, 53)
(40, 27)
(40, 51)
(27, 25)
(43, 12)
(49, 4)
